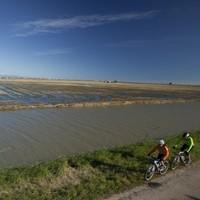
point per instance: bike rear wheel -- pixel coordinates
(164, 168)
(175, 162)
(188, 160)
(150, 172)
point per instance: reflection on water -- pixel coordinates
(33, 135)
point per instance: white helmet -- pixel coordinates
(186, 134)
(161, 142)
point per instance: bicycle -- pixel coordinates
(180, 158)
(156, 167)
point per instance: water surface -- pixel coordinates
(29, 136)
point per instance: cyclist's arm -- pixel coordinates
(190, 143)
(166, 153)
(153, 150)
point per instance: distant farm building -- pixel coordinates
(108, 81)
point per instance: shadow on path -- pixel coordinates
(154, 185)
(192, 197)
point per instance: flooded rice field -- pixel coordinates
(29, 136)
(31, 92)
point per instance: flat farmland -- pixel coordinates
(32, 93)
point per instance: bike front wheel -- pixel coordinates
(150, 172)
(175, 162)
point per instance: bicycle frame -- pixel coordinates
(155, 162)
(155, 167)
(181, 156)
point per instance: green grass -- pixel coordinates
(84, 177)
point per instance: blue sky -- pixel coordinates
(130, 40)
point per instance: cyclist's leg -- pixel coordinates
(184, 149)
(188, 156)
(160, 159)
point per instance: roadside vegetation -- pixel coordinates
(84, 177)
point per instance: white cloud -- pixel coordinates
(55, 25)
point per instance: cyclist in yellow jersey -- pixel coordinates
(188, 145)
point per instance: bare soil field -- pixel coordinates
(32, 93)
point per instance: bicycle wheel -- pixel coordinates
(150, 172)
(175, 162)
(164, 168)
(188, 160)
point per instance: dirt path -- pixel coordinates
(183, 184)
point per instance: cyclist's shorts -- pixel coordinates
(160, 157)
(184, 147)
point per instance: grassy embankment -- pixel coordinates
(87, 176)
(16, 107)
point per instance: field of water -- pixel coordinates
(29, 93)
(30, 136)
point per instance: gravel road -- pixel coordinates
(182, 184)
